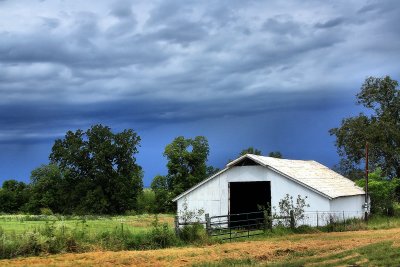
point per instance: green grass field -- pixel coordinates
(29, 235)
(34, 235)
(92, 224)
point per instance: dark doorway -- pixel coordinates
(248, 198)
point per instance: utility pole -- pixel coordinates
(366, 182)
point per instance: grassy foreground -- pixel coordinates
(139, 223)
(359, 248)
(32, 235)
(24, 236)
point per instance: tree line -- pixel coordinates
(95, 171)
(379, 126)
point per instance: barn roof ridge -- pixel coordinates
(308, 173)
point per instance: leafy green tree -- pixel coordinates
(146, 202)
(48, 189)
(382, 192)
(162, 188)
(13, 196)
(186, 162)
(99, 169)
(186, 165)
(250, 150)
(380, 127)
(275, 154)
(212, 170)
(255, 151)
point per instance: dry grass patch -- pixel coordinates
(261, 251)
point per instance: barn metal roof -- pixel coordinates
(308, 173)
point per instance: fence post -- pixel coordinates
(176, 222)
(208, 223)
(292, 222)
(317, 219)
(248, 225)
(344, 221)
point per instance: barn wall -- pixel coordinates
(207, 197)
(213, 195)
(280, 186)
(352, 205)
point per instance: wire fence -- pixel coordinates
(324, 218)
(233, 226)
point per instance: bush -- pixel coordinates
(146, 202)
(396, 209)
(161, 235)
(382, 192)
(193, 233)
(286, 205)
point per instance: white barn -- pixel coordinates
(253, 180)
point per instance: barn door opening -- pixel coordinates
(248, 197)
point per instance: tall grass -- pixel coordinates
(79, 234)
(51, 238)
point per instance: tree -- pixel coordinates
(275, 154)
(146, 202)
(382, 192)
(99, 169)
(255, 151)
(48, 189)
(162, 188)
(13, 196)
(380, 128)
(250, 150)
(187, 167)
(186, 162)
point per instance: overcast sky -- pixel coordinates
(276, 75)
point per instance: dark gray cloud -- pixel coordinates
(330, 23)
(32, 122)
(282, 25)
(69, 64)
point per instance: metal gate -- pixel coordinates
(241, 225)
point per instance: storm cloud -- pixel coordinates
(148, 64)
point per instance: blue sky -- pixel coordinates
(276, 75)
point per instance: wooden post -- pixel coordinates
(248, 225)
(176, 222)
(344, 221)
(317, 219)
(208, 224)
(292, 222)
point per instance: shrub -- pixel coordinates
(193, 230)
(396, 209)
(287, 204)
(161, 235)
(146, 202)
(382, 192)
(193, 233)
